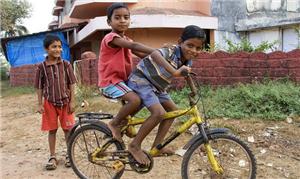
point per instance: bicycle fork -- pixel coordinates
(209, 151)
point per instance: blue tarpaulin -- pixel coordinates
(30, 49)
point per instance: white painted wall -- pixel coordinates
(271, 5)
(270, 35)
(290, 39)
(287, 38)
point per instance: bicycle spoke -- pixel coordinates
(232, 155)
(81, 148)
(92, 140)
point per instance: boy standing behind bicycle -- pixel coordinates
(55, 83)
(150, 80)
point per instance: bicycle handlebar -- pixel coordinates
(192, 86)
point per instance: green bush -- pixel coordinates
(4, 74)
(246, 46)
(4, 68)
(272, 100)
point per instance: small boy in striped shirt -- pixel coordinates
(55, 82)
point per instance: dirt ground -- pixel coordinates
(24, 148)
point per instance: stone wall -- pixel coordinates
(219, 68)
(23, 75)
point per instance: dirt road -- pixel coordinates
(24, 148)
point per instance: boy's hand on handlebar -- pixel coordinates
(182, 71)
(192, 94)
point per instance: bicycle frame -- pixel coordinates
(194, 119)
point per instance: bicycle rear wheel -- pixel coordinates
(232, 154)
(83, 143)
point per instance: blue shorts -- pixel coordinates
(146, 91)
(115, 91)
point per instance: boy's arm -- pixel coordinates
(72, 98)
(139, 54)
(160, 60)
(40, 101)
(39, 89)
(134, 46)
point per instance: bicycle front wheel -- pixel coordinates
(86, 140)
(232, 154)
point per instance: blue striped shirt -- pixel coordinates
(157, 74)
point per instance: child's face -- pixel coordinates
(191, 48)
(54, 49)
(120, 20)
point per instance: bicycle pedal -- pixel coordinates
(118, 166)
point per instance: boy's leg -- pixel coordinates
(49, 123)
(131, 107)
(52, 141)
(164, 126)
(67, 121)
(157, 111)
(67, 133)
(52, 162)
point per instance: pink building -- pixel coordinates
(153, 23)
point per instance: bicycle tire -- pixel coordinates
(79, 156)
(234, 156)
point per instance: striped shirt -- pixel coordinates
(157, 74)
(55, 80)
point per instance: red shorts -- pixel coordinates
(51, 115)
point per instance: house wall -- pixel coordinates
(228, 12)
(269, 35)
(155, 37)
(256, 19)
(202, 6)
(162, 35)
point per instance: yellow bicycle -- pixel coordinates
(211, 153)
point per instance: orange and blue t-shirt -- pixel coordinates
(115, 64)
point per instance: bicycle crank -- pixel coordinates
(141, 168)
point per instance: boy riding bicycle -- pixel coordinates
(151, 78)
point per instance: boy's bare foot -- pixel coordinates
(138, 155)
(116, 132)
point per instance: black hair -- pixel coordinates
(49, 39)
(110, 9)
(192, 31)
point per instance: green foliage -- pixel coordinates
(271, 100)
(12, 14)
(7, 90)
(83, 92)
(212, 48)
(4, 68)
(245, 45)
(264, 46)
